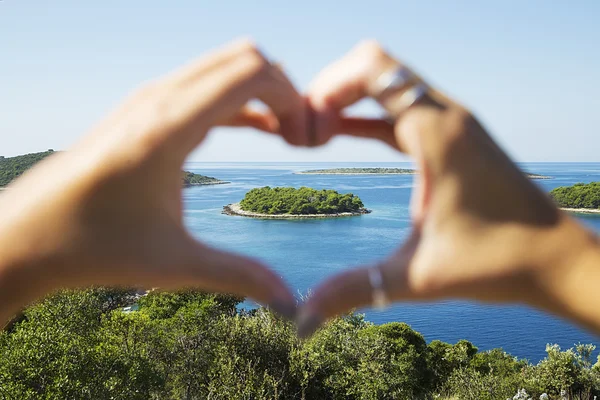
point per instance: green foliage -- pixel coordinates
(13, 167)
(580, 195)
(195, 345)
(289, 200)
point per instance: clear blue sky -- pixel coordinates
(529, 69)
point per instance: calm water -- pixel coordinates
(305, 252)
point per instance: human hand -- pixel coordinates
(109, 210)
(481, 229)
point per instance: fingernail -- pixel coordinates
(308, 323)
(284, 308)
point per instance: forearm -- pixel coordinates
(569, 285)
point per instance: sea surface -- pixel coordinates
(304, 252)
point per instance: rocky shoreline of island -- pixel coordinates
(235, 209)
(581, 210)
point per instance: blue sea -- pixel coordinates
(304, 252)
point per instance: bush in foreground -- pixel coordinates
(194, 345)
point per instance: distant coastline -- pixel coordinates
(235, 210)
(382, 171)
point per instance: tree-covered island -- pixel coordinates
(13, 167)
(581, 197)
(192, 179)
(289, 202)
(382, 171)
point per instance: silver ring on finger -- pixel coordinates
(401, 80)
(395, 80)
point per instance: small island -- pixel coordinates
(292, 203)
(13, 167)
(192, 179)
(382, 171)
(580, 198)
(537, 176)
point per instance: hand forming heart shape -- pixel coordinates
(109, 211)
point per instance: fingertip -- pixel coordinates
(285, 309)
(308, 322)
(322, 123)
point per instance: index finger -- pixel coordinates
(213, 90)
(358, 75)
(250, 76)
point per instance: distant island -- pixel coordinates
(292, 203)
(536, 176)
(381, 171)
(13, 167)
(579, 198)
(359, 171)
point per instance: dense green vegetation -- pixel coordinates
(289, 200)
(580, 195)
(358, 171)
(13, 167)
(192, 179)
(192, 345)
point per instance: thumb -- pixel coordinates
(209, 269)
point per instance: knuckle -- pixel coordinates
(254, 62)
(370, 48)
(248, 44)
(457, 124)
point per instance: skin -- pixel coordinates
(481, 229)
(109, 210)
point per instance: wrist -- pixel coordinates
(24, 272)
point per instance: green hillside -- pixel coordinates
(13, 167)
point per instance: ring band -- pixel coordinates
(403, 81)
(395, 80)
(412, 95)
(380, 299)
